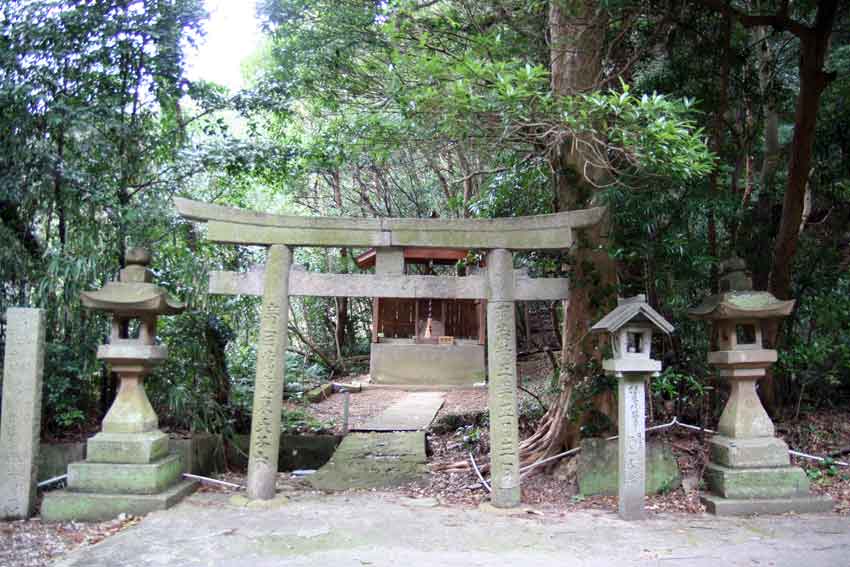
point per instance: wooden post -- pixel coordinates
(376, 317)
(443, 303)
(416, 320)
(482, 321)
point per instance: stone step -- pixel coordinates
(137, 448)
(373, 460)
(779, 482)
(115, 478)
(64, 505)
(414, 412)
(749, 506)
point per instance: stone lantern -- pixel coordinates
(749, 470)
(631, 326)
(128, 467)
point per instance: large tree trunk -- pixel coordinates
(760, 263)
(813, 80)
(577, 32)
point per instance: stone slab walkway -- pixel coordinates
(380, 529)
(373, 460)
(414, 412)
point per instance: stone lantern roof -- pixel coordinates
(737, 299)
(633, 309)
(134, 294)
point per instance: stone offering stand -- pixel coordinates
(128, 467)
(500, 286)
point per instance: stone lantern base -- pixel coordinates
(128, 468)
(123, 473)
(749, 470)
(754, 476)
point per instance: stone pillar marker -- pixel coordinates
(632, 446)
(631, 326)
(20, 429)
(268, 385)
(502, 390)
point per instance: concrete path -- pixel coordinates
(380, 529)
(373, 460)
(414, 412)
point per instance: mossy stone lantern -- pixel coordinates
(134, 302)
(128, 467)
(749, 470)
(631, 326)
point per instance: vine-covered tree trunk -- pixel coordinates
(577, 32)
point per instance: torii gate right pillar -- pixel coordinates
(502, 391)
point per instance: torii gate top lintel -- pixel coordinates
(240, 226)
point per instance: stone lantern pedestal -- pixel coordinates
(750, 470)
(128, 467)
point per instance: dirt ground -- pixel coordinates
(31, 543)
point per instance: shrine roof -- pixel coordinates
(632, 309)
(416, 255)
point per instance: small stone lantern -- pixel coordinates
(631, 326)
(128, 467)
(749, 470)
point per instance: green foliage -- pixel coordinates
(295, 421)
(398, 108)
(670, 385)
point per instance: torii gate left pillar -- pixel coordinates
(271, 369)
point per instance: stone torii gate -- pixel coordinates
(500, 285)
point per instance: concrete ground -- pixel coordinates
(375, 528)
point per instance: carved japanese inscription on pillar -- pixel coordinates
(21, 421)
(501, 353)
(268, 385)
(632, 485)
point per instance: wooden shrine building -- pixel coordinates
(425, 341)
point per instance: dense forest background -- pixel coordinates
(709, 128)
